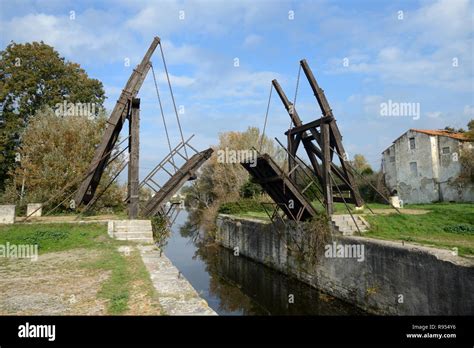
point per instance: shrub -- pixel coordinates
(461, 228)
(241, 206)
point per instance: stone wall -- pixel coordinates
(391, 279)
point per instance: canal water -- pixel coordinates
(236, 285)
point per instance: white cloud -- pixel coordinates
(432, 47)
(252, 40)
(469, 110)
(434, 114)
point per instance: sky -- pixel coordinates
(363, 54)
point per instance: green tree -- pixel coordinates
(470, 130)
(467, 155)
(361, 165)
(250, 189)
(57, 151)
(33, 75)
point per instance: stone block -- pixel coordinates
(7, 214)
(34, 209)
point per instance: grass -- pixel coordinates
(340, 208)
(255, 215)
(124, 270)
(446, 225)
(52, 237)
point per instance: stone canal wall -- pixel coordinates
(381, 277)
(175, 294)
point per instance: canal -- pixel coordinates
(236, 285)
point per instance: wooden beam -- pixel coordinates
(134, 149)
(327, 186)
(309, 125)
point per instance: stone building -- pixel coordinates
(423, 166)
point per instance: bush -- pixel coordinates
(242, 206)
(461, 228)
(161, 232)
(250, 189)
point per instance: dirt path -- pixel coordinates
(55, 284)
(59, 284)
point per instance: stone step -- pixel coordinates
(133, 229)
(120, 235)
(345, 224)
(138, 240)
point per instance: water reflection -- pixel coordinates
(239, 286)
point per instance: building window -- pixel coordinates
(412, 143)
(445, 150)
(392, 159)
(413, 169)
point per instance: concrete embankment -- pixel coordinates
(175, 294)
(381, 277)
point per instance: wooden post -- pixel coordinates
(133, 150)
(325, 135)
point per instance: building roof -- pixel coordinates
(436, 132)
(443, 133)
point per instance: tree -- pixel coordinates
(57, 151)
(467, 155)
(220, 180)
(470, 130)
(250, 189)
(33, 75)
(361, 164)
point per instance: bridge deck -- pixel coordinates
(281, 188)
(175, 182)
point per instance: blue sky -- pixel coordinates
(400, 56)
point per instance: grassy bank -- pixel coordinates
(124, 270)
(446, 225)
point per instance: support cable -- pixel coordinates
(172, 97)
(266, 117)
(161, 110)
